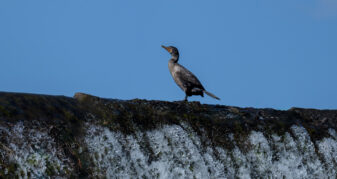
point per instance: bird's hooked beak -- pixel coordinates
(168, 49)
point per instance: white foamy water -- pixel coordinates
(33, 153)
(172, 151)
(176, 151)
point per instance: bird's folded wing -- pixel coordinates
(188, 79)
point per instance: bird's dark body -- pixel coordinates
(185, 79)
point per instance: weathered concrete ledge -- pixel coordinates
(49, 136)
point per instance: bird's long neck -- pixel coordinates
(175, 58)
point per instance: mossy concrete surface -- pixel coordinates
(65, 121)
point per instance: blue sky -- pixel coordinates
(250, 53)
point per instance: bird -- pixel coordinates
(185, 79)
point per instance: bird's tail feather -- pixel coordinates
(211, 95)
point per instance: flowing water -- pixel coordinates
(172, 151)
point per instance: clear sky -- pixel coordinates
(250, 53)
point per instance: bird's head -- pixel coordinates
(172, 50)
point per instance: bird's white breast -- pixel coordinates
(173, 69)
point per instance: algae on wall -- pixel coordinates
(48, 136)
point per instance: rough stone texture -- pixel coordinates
(87, 136)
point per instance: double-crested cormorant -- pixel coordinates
(185, 79)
